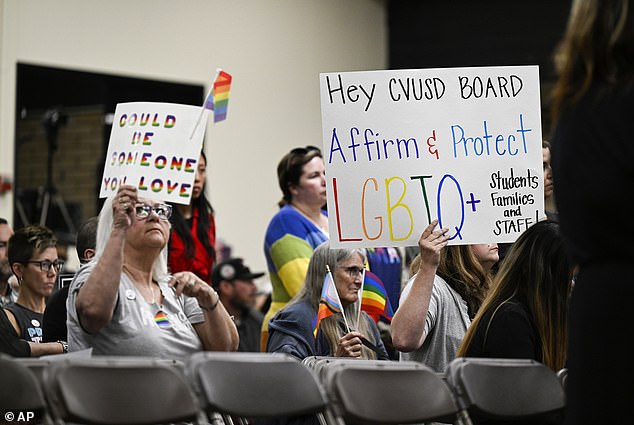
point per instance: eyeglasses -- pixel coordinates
(46, 265)
(163, 211)
(304, 151)
(354, 271)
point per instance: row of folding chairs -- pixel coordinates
(253, 388)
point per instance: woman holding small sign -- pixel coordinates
(297, 228)
(125, 303)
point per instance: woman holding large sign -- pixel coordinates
(442, 297)
(297, 228)
(125, 303)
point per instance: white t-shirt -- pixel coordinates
(445, 326)
(138, 328)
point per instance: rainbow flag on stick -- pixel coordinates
(374, 300)
(218, 99)
(329, 303)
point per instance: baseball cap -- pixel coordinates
(230, 270)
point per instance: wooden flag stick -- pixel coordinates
(202, 109)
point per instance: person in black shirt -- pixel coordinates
(34, 262)
(524, 315)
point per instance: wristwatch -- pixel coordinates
(64, 345)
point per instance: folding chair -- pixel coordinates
(387, 392)
(119, 390)
(37, 365)
(506, 390)
(562, 375)
(21, 397)
(256, 386)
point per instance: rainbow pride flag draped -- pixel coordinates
(218, 99)
(374, 300)
(329, 302)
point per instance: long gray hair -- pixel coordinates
(322, 256)
(311, 291)
(104, 228)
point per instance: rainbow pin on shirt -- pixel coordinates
(161, 320)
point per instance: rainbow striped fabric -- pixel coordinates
(329, 303)
(218, 99)
(374, 300)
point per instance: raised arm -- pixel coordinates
(408, 323)
(97, 297)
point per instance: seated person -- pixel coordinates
(525, 313)
(125, 303)
(292, 329)
(33, 259)
(234, 283)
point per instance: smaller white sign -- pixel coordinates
(150, 148)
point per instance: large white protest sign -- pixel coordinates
(403, 147)
(150, 148)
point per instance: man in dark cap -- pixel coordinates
(234, 283)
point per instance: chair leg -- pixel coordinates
(464, 418)
(322, 419)
(216, 418)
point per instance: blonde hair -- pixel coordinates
(460, 268)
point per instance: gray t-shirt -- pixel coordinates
(138, 328)
(445, 326)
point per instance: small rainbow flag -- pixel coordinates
(218, 99)
(329, 303)
(374, 300)
(162, 321)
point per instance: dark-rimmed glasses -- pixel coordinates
(46, 265)
(353, 271)
(163, 211)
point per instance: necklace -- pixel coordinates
(152, 290)
(130, 274)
